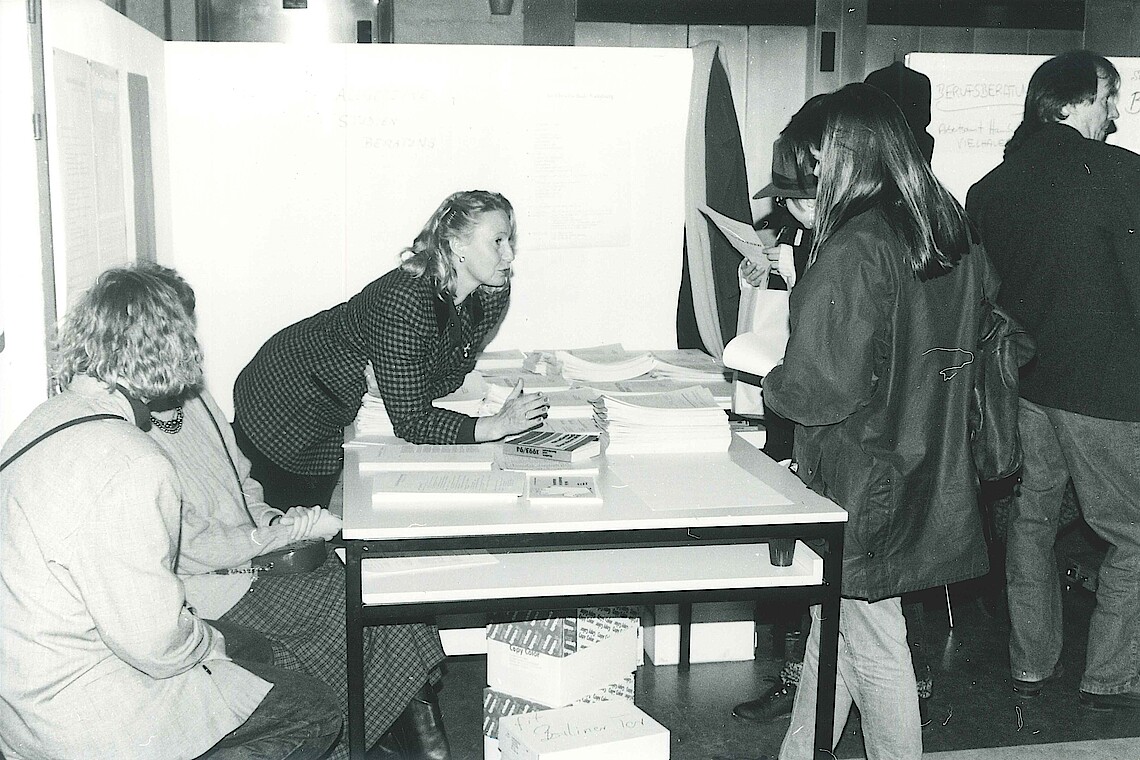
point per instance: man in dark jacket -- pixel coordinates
(1060, 218)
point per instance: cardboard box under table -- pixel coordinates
(556, 659)
(497, 705)
(598, 731)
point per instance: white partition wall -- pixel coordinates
(298, 175)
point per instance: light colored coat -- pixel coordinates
(99, 656)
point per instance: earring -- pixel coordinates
(462, 259)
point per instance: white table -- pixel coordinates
(672, 528)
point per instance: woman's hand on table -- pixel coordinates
(520, 412)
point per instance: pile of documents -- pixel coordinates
(604, 363)
(688, 420)
(689, 365)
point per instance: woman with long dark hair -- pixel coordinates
(878, 376)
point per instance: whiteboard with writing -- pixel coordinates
(977, 102)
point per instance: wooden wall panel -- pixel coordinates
(776, 88)
(946, 39)
(1053, 41)
(591, 34)
(1004, 41)
(459, 22)
(658, 35)
(1112, 27)
(887, 44)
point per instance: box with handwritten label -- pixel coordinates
(597, 731)
(497, 705)
(556, 658)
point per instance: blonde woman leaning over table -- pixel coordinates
(419, 326)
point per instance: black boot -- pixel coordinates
(421, 727)
(389, 747)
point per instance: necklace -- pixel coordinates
(169, 426)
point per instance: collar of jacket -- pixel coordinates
(446, 312)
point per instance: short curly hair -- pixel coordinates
(131, 327)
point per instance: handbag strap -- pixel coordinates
(230, 458)
(56, 429)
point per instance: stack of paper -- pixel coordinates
(410, 457)
(506, 359)
(604, 363)
(720, 388)
(680, 421)
(532, 381)
(447, 489)
(571, 404)
(372, 419)
(687, 364)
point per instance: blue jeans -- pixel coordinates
(1103, 459)
(874, 673)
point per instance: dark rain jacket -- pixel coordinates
(878, 376)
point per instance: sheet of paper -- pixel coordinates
(666, 487)
(743, 238)
(756, 353)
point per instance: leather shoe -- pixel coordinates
(1129, 700)
(1031, 689)
(420, 728)
(388, 747)
(772, 704)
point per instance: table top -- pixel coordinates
(740, 487)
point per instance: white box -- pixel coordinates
(555, 659)
(559, 681)
(598, 731)
(720, 632)
(497, 706)
(463, 634)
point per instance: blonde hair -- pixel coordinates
(431, 252)
(131, 327)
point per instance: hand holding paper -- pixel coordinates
(748, 242)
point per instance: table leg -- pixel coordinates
(828, 646)
(354, 636)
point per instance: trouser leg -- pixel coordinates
(297, 720)
(874, 673)
(1104, 459)
(1033, 585)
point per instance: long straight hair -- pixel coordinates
(869, 159)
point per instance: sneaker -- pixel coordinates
(772, 704)
(1031, 689)
(1129, 700)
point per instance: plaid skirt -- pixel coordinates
(303, 616)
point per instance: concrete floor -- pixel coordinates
(972, 706)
